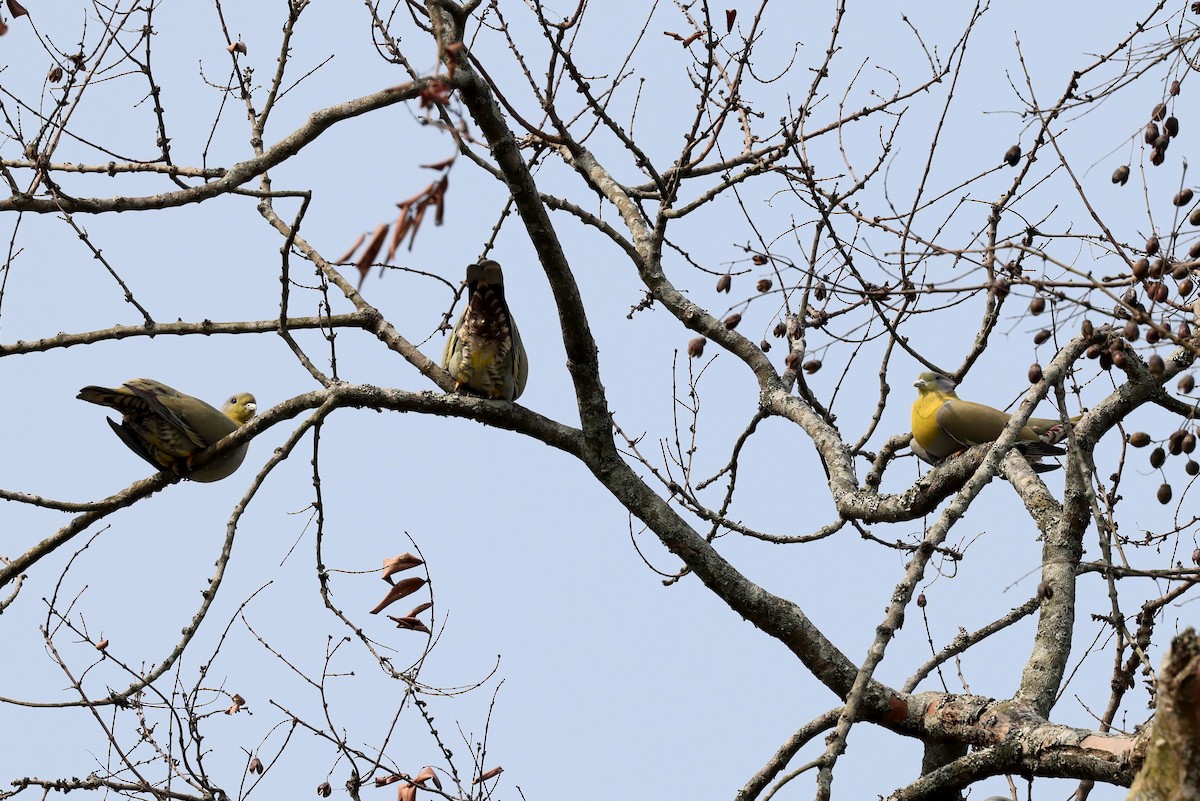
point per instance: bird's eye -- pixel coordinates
(233, 399)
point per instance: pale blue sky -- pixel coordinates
(611, 683)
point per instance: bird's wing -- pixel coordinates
(969, 423)
(178, 411)
(520, 362)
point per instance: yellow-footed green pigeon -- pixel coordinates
(944, 424)
(484, 353)
(167, 428)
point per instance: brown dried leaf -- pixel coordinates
(368, 256)
(399, 590)
(444, 164)
(691, 38)
(418, 609)
(398, 232)
(238, 703)
(103, 644)
(730, 16)
(256, 766)
(324, 790)
(384, 781)
(436, 91)
(451, 52)
(410, 623)
(16, 9)
(439, 200)
(407, 792)
(416, 221)
(426, 774)
(491, 774)
(673, 35)
(398, 564)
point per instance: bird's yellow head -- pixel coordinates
(240, 408)
(931, 382)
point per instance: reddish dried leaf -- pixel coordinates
(398, 564)
(368, 256)
(407, 792)
(16, 9)
(730, 16)
(691, 38)
(100, 646)
(411, 624)
(384, 781)
(416, 221)
(399, 590)
(441, 165)
(451, 52)
(434, 92)
(440, 200)
(346, 256)
(491, 774)
(418, 609)
(236, 706)
(426, 774)
(398, 232)
(324, 790)
(673, 35)
(3, 28)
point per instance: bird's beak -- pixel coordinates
(252, 408)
